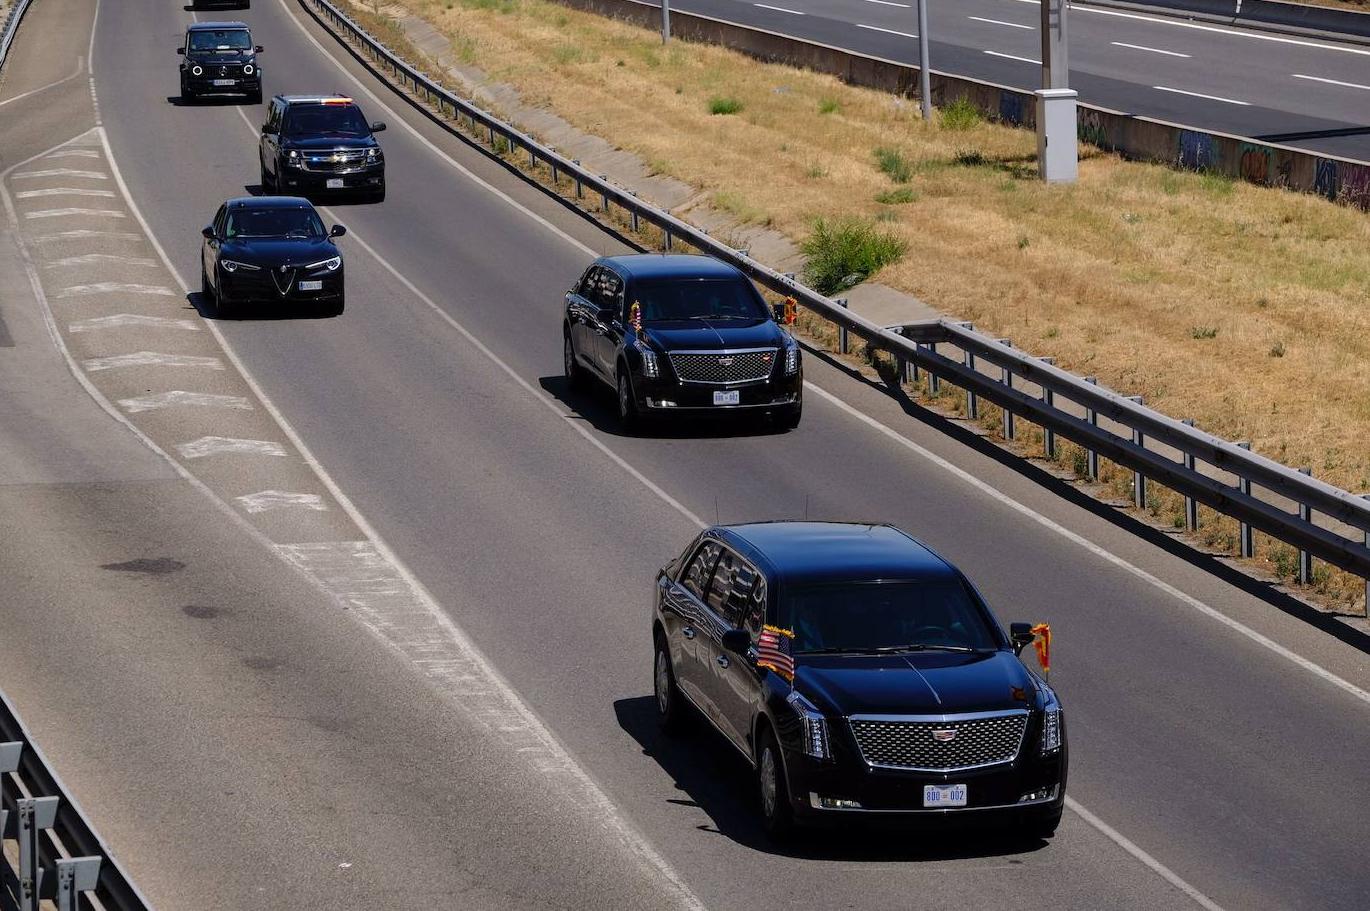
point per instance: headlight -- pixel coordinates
(332, 265)
(373, 155)
(248, 69)
(1051, 723)
(791, 357)
(292, 157)
(650, 368)
(815, 726)
(197, 70)
(232, 266)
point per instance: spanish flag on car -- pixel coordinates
(1042, 643)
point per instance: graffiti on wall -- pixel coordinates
(1196, 151)
(1255, 163)
(1325, 178)
(1091, 128)
(1355, 186)
(1011, 108)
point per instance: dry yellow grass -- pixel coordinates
(1245, 308)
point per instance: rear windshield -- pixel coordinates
(274, 222)
(884, 616)
(667, 300)
(332, 119)
(229, 39)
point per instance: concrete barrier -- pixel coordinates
(1342, 180)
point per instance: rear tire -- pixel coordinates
(575, 374)
(628, 416)
(670, 705)
(777, 816)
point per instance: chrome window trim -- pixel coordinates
(940, 719)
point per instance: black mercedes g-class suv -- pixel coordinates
(220, 58)
(320, 143)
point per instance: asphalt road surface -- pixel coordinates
(230, 726)
(1305, 92)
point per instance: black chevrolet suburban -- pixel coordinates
(320, 143)
(220, 59)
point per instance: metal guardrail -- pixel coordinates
(916, 345)
(10, 25)
(60, 857)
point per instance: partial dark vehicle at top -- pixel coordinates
(861, 675)
(318, 143)
(678, 334)
(235, 4)
(220, 59)
(271, 250)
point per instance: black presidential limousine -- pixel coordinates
(860, 674)
(672, 333)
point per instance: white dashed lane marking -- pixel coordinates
(181, 397)
(115, 288)
(1349, 85)
(132, 321)
(208, 446)
(887, 31)
(151, 359)
(1015, 57)
(1162, 88)
(1154, 50)
(265, 500)
(1001, 22)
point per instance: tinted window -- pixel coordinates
(885, 615)
(336, 119)
(273, 222)
(696, 575)
(720, 588)
(219, 220)
(235, 39)
(665, 300)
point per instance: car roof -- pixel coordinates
(836, 551)
(334, 98)
(269, 202)
(672, 265)
(214, 26)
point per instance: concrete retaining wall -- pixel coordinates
(1339, 179)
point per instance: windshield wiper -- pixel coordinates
(709, 319)
(886, 649)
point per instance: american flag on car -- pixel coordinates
(773, 650)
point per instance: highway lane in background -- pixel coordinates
(1304, 92)
(1186, 735)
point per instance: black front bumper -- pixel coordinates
(663, 395)
(238, 84)
(262, 287)
(370, 179)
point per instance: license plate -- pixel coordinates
(334, 183)
(311, 286)
(225, 82)
(728, 398)
(952, 795)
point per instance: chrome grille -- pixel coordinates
(925, 745)
(722, 367)
(339, 162)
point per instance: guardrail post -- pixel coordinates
(1246, 536)
(1138, 479)
(1048, 399)
(972, 400)
(9, 762)
(35, 815)
(1092, 457)
(934, 381)
(842, 338)
(580, 188)
(604, 197)
(1366, 496)
(633, 214)
(1305, 558)
(1006, 377)
(74, 876)
(669, 239)
(1191, 505)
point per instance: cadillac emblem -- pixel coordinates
(944, 735)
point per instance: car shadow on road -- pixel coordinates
(714, 777)
(315, 198)
(595, 405)
(208, 101)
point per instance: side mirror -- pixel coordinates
(258, 49)
(337, 231)
(207, 232)
(736, 641)
(181, 51)
(1021, 634)
(378, 127)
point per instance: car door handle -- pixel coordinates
(688, 633)
(723, 661)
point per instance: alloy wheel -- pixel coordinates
(769, 783)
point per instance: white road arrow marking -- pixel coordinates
(151, 359)
(132, 320)
(181, 397)
(275, 499)
(115, 287)
(208, 446)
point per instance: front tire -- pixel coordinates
(670, 707)
(777, 815)
(1042, 825)
(628, 416)
(789, 419)
(207, 293)
(575, 374)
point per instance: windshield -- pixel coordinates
(313, 119)
(885, 616)
(708, 299)
(231, 39)
(274, 222)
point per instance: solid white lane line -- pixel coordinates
(64, 191)
(59, 213)
(779, 9)
(151, 359)
(1154, 50)
(1254, 36)
(1002, 22)
(181, 397)
(266, 500)
(1163, 88)
(1015, 57)
(80, 63)
(127, 320)
(890, 3)
(60, 172)
(887, 31)
(116, 288)
(208, 446)
(1349, 85)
